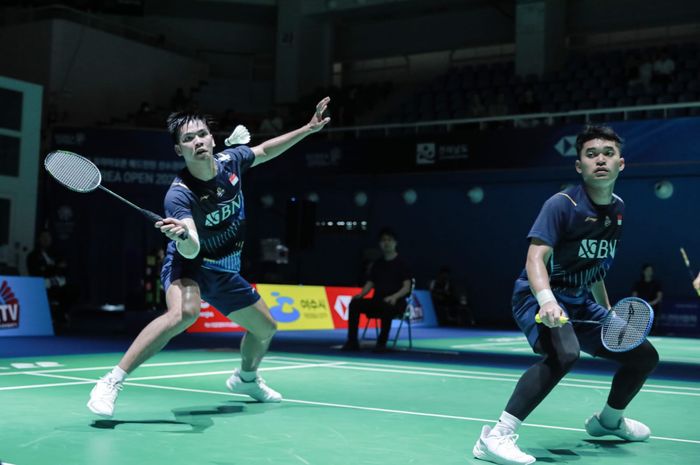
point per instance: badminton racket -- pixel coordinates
(690, 269)
(625, 326)
(79, 174)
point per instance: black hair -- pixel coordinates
(387, 232)
(178, 119)
(592, 131)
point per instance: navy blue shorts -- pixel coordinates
(227, 292)
(582, 307)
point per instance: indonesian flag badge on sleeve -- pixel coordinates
(233, 179)
(619, 219)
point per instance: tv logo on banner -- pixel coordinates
(9, 307)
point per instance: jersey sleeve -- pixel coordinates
(551, 221)
(241, 157)
(177, 204)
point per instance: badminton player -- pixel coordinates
(572, 244)
(204, 222)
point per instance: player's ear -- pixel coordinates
(578, 166)
(178, 151)
(622, 163)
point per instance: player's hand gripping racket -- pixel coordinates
(625, 326)
(79, 174)
(687, 265)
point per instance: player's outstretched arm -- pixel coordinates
(173, 229)
(274, 147)
(696, 283)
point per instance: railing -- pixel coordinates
(446, 125)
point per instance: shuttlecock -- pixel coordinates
(240, 135)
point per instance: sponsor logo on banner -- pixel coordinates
(324, 159)
(9, 307)
(212, 320)
(339, 299)
(566, 146)
(425, 154)
(298, 307)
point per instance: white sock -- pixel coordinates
(610, 417)
(507, 424)
(118, 374)
(248, 376)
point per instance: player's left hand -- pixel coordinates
(317, 120)
(390, 299)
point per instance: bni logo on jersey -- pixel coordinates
(9, 307)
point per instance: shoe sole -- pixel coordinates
(485, 456)
(262, 401)
(96, 412)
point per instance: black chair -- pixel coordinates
(408, 314)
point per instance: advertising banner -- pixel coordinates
(24, 308)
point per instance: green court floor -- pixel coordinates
(337, 410)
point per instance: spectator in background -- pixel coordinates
(391, 280)
(443, 295)
(649, 289)
(44, 262)
(499, 106)
(475, 108)
(644, 73)
(272, 123)
(179, 100)
(528, 104)
(663, 68)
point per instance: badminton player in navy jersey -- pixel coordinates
(205, 217)
(572, 245)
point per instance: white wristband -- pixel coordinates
(544, 296)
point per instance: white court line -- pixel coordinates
(145, 378)
(380, 410)
(145, 365)
(430, 371)
(388, 368)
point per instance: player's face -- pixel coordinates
(600, 162)
(196, 142)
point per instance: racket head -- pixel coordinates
(73, 171)
(627, 325)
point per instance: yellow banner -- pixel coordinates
(297, 307)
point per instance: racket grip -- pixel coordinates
(155, 218)
(562, 319)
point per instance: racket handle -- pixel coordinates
(562, 319)
(155, 218)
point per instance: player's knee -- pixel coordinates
(567, 359)
(189, 313)
(648, 359)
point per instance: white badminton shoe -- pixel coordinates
(104, 395)
(257, 389)
(500, 449)
(627, 429)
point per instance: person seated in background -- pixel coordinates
(649, 289)
(390, 278)
(44, 262)
(271, 124)
(443, 295)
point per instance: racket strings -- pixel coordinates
(628, 327)
(73, 171)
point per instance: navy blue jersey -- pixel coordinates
(584, 238)
(216, 206)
